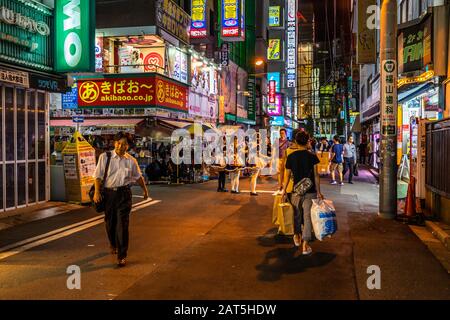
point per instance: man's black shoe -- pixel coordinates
(253, 194)
(219, 190)
(121, 262)
(350, 182)
(224, 190)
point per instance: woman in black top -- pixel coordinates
(302, 164)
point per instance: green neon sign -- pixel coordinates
(75, 35)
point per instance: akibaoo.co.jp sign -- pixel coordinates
(75, 29)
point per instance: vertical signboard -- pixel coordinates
(274, 49)
(272, 90)
(291, 35)
(365, 48)
(274, 16)
(388, 97)
(233, 22)
(74, 36)
(198, 19)
(276, 77)
(251, 110)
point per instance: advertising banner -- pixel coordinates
(99, 54)
(251, 105)
(221, 109)
(198, 19)
(152, 91)
(275, 76)
(274, 50)
(176, 64)
(70, 99)
(242, 99)
(138, 60)
(274, 16)
(74, 33)
(228, 85)
(233, 20)
(203, 90)
(277, 121)
(275, 109)
(272, 91)
(291, 36)
(414, 44)
(366, 46)
(173, 19)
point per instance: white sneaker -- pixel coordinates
(297, 241)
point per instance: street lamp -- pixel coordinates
(259, 62)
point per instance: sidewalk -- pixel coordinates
(33, 213)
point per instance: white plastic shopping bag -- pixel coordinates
(323, 218)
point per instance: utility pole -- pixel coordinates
(388, 110)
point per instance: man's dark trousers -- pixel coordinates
(348, 165)
(222, 178)
(117, 217)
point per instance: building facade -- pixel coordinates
(27, 81)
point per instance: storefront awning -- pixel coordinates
(97, 122)
(176, 124)
(416, 90)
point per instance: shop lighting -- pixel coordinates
(420, 78)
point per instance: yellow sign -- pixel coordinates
(79, 166)
(273, 51)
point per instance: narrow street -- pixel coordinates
(191, 242)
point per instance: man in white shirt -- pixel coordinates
(123, 171)
(349, 158)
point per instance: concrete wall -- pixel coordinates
(438, 206)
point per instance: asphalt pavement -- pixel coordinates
(190, 242)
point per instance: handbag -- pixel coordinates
(302, 187)
(100, 206)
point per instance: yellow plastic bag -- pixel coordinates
(276, 202)
(286, 218)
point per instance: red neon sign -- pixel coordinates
(272, 91)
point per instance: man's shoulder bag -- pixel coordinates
(303, 186)
(100, 206)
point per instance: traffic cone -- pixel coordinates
(410, 205)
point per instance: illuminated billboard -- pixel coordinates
(198, 19)
(233, 20)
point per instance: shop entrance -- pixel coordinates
(23, 147)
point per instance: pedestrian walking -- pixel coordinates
(362, 152)
(283, 144)
(123, 170)
(220, 160)
(301, 165)
(234, 168)
(349, 159)
(337, 151)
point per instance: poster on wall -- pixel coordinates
(99, 54)
(275, 76)
(176, 64)
(274, 50)
(203, 90)
(228, 85)
(365, 44)
(137, 60)
(198, 19)
(242, 99)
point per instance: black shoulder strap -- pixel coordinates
(105, 175)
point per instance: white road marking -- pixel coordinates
(259, 191)
(30, 243)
